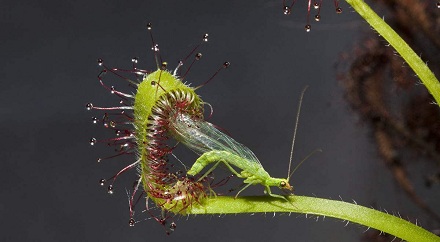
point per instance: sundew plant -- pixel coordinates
(163, 112)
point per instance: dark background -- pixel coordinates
(48, 176)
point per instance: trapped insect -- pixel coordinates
(163, 109)
(214, 146)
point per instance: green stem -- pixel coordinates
(414, 61)
(316, 206)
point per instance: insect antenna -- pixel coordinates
(307, 157)
(294, 132)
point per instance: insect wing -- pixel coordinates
(202, 137)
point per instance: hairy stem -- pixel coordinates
(414, 61)
(316, 206)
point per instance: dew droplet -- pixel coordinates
(100, 62)
(198, 56)
(205, 37)
(287, 10)
(94, 120)
(317, 17)
(163, 221)
(131, 222)
(308, 27)
(164, 65)
(102, 182)
(316, 5)
(124, 147)
(112, 124)
(172, 226)
(99, 160)
(155, 48)
(438, 4)
(110, 189)
(118, 132)
(112, 90)
(93, 141)
(338, 10)
(226, 64)
(105, 121)
(149, 26)
(89, 106)
(153, 83)
(134, 60)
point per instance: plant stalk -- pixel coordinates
(414, 61)
(316, 206)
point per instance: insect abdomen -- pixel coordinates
(222, 156)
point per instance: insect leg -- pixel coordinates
(243, 189)
(215, 166)
(275, 195)
(209, 171)
(212, 192)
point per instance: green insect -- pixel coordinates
(216, 147)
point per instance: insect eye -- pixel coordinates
(283, 184)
